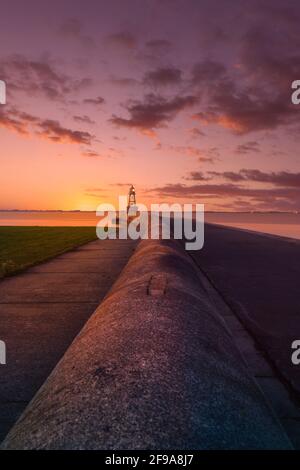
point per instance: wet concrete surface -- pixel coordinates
(259, 277)
(43, 309)
(155, 367)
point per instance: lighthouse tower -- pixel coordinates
(131, 197)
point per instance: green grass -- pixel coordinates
(21, 247)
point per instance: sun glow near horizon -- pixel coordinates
(93, 108)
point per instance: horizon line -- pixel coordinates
(208, 211)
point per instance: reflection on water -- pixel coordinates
(284, 224)
(45, 218)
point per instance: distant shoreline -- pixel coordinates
(94, 211)
(279, 224)
(256, 232)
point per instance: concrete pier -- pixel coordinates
(155, 367)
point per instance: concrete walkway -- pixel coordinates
(258, 277)
(155, 367)
(43, 309)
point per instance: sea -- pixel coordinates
(285, 224)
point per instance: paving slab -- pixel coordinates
(43, 309)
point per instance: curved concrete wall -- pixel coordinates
(153, 368)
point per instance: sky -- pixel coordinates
(189, 100)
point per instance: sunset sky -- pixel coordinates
(189, 100)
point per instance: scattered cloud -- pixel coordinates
(121, 185)
(242, 113)
(153, 112)
(23, 123)
(53, 130)
(163, 76)
(254, 95)
(123, 81)
(90, 154)
(15, 121)
(248, 147)
(95, 101)
(207, 156)
(197, 176)
(281, 178)
(248, 188)
(155, 51)
(227, 190)
(84, 119)
(207, 72)
(39, 77)
(195, 133)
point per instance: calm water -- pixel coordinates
(284, 224)
(45, 218)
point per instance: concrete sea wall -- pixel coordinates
(154, 368)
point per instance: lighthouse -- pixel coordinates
(131, 197)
